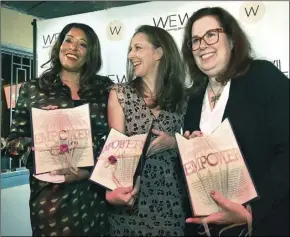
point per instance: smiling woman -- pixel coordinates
(75, 207)
(73, 50)
(155, 92)
(227, 82)
(77, 45)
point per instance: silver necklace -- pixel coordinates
(216, 96)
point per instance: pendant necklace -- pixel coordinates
(216, 96)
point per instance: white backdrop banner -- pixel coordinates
(266, 23)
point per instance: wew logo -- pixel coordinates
(49, 40)
(277, 63)
(117, 78)
(171, 22)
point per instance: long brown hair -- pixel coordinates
(240, 55)
(170, 75)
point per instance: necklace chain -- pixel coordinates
(216, 96)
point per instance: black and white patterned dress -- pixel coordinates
(74, 209)
(159, 209)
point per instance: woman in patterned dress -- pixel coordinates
(155, 94)
(76, 207)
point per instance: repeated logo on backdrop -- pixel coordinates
(252, 12)
(249, 13)
(277, 63)
(49, 40)
(117, 78)
(171, 22)
(115, 30)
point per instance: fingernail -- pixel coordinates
(212, 192)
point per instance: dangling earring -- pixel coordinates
(231, 45)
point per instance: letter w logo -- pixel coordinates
(248, 12)
(115, 30)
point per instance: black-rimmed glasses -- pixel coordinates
(210, 37)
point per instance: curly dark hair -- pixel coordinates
(93, 62)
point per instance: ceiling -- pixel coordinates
(53, 9)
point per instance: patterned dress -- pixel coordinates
(159, 209)
(78, 208)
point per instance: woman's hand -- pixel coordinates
(70, 176)
(231, 213)
(50, 107)
(193, 134)
(120, 196)
(163, 142)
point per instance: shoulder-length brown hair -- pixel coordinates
(240, 56)
(170, 81)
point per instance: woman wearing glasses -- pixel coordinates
(227, 82)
